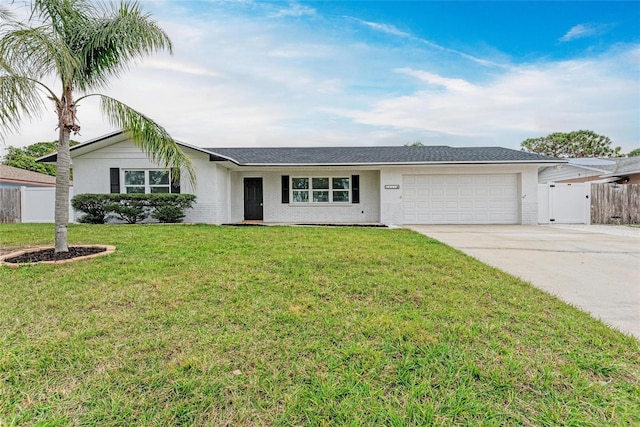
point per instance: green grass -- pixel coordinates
(204, 325)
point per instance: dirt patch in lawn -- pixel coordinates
(47, 255)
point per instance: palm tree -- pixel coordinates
(82, 44)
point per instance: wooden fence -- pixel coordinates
(10, 204)
(615, 203)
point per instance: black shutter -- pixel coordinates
(355, 188)
(175, 185)
(285, 188)
(115, 180)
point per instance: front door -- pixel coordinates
(253, 199)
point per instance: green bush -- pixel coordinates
(170, 209)
(95, 207)
(132, 208)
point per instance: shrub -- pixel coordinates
(170, 208)
(95, 207)
(132, 208)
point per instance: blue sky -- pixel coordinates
(255, 73)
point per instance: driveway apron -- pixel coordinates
(599, 273)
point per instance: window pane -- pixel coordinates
(320, 183)
(340, 183)
(158, 178)
(137, 190)
(300, 196)
(300, 183)
(341, 196)
(134, 178)
(320, 196)
(159, 189)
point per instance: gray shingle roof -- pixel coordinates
(345, 156)
(373, 155)
(627, 165)
(612, 166)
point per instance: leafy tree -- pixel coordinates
(415, 144)
(634, 153)
(25, 158)
(82, 44)
(581, 143)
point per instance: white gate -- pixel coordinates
(564, 203)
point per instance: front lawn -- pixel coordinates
(204, 325)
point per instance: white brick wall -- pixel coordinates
(367, 211)
(529, 213)
(91, 173)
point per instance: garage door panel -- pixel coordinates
(466, 192)
(451, 204)
(460, 199)
(466, 204)
(466, 179)
(466, 217)
(451, 180)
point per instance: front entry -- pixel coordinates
(253, 199)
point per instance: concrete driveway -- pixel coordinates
(599, 273)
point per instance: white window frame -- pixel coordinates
(147, 184)
(310, 190)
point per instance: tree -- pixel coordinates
(634, 153)
(581, 143)
(82, 44)
(25, 158)
(418, 143)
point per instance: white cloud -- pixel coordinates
(584, 30)
(179, 67)
(598, 93)
(457, 85)
(384, 28)
(392, 30)
(295, 10)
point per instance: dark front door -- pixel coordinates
(253, 198)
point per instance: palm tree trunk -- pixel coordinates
(62, 191)
(66, 124)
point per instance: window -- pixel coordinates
(320, 190)
(147, 181)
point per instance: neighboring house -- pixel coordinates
(15, 177)
(389, 185)
(623, 170)
(26, 196)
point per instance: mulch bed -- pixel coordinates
(49, 255)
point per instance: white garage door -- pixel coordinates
(460, 199)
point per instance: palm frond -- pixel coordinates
(63, 15)
(19, 98)
(5, 14)
(152, 138)
(117, 38)
(36, 52)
